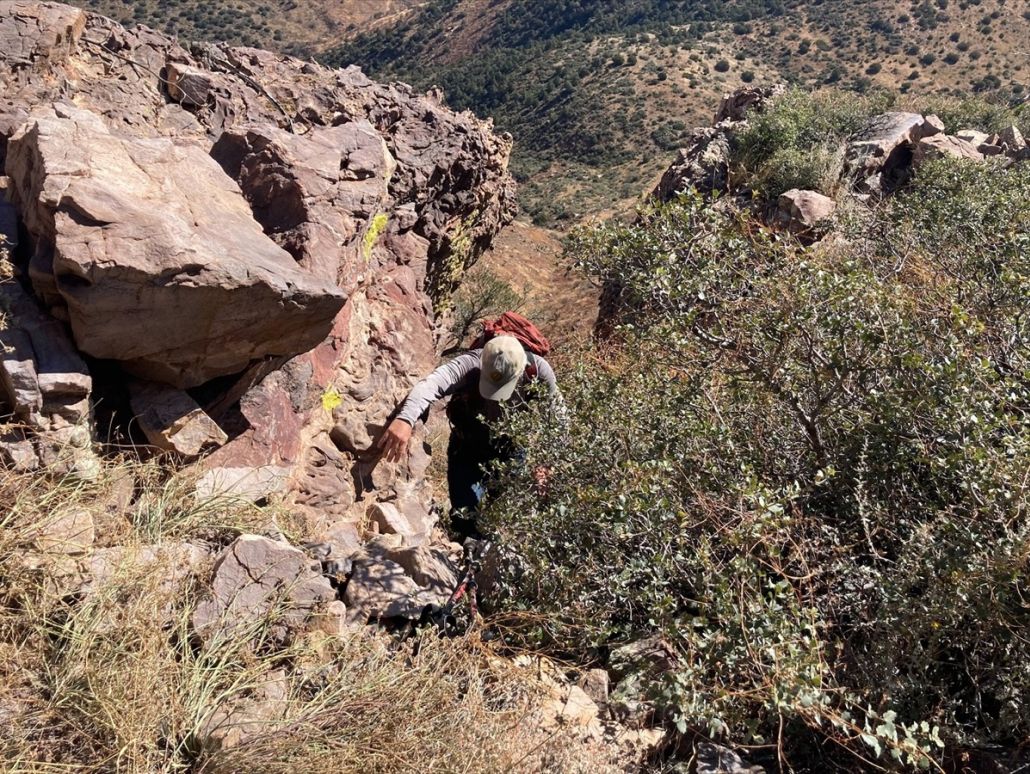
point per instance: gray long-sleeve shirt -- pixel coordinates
(463, 373)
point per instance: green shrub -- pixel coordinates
(959, 113)
(805, 470)
(482, 294)
(794, 142)
(815, 169)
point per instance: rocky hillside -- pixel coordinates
(222, 269)
(597, 93)
(791, 160)
(300, 28)
(789, 503)
(267, 226)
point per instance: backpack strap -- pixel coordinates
(531, 368)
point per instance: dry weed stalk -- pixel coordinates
(108, 675)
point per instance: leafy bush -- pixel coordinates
(805, 470)
(959, 113)
(816, 169)
(797, 141)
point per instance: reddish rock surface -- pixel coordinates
(228, 212)
(152, 254)
(804, 212)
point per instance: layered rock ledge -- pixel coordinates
(243, 251)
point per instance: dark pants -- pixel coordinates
(466, 483)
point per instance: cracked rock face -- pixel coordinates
(880, 157)
(146, 236)
(253, 576)
(273, 235)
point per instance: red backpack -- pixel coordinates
(514, 324)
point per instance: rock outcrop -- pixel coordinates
(805, 212)
(736, 105)
(380, 589)
(254, 577)
(880, 157)
(702, 164)
(149, 237)
(47, 386)
(262, 241)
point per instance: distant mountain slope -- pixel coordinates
(598, 92)
(295, 26)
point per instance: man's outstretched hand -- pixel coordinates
(394, 442)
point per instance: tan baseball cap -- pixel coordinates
(501, 366)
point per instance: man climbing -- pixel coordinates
(479, 381)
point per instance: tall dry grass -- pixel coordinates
(104, 674)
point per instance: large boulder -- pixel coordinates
(804, 212)
(431, 567)
(255, 577)
(246, 484)
(406, 518)
(880, 156)
(1012, 139)
(154, 256)
(323, 196)
(974, 137)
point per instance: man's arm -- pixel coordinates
(444, 381)
(545, 374)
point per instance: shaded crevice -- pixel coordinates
(897, 168)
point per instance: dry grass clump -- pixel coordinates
(103, 671)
